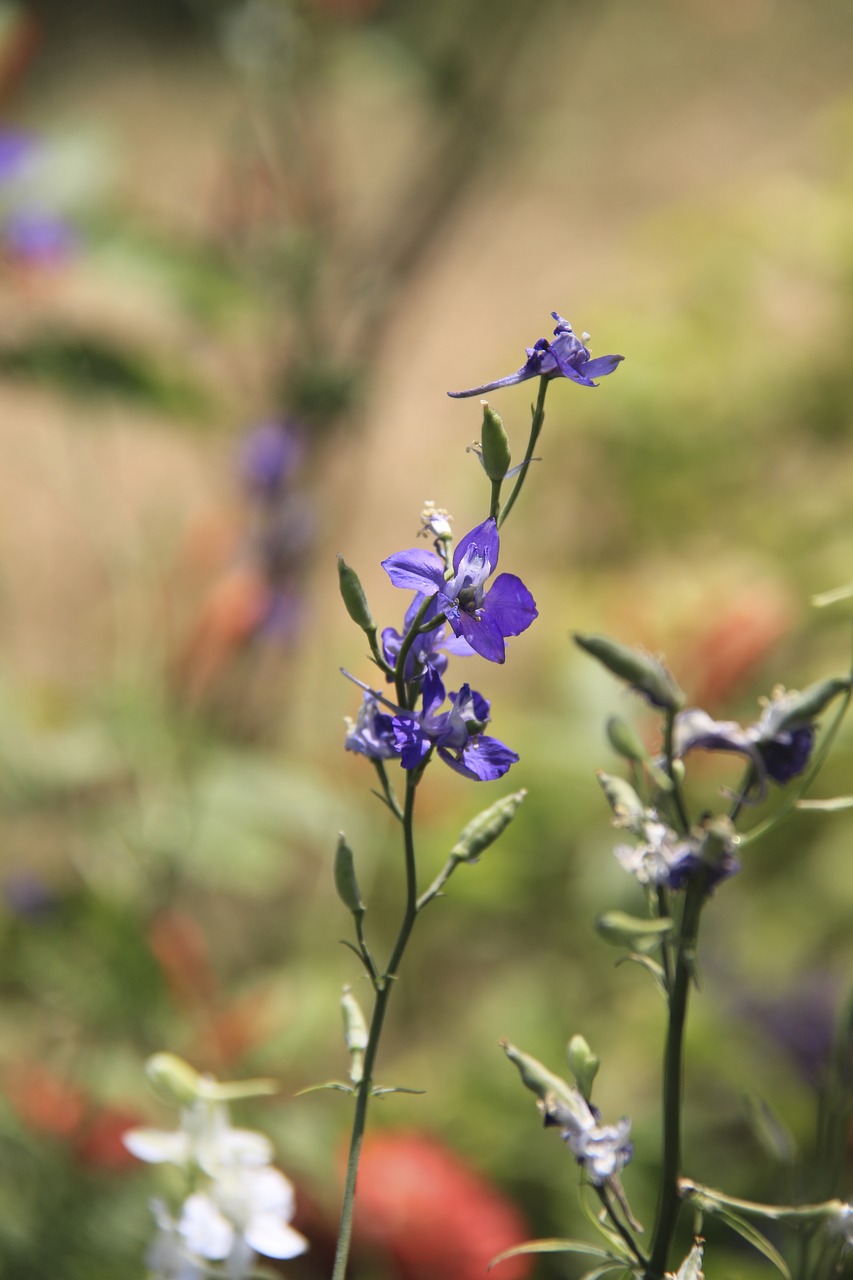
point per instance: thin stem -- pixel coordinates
(669, 753)
(536, 422)
(495, 502)
(405, 649)
(384, 987)
(669, 1202)
(620, 1227)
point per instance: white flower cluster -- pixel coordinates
(240, 1205)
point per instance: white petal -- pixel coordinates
(158, 1146)
(270, 1192)
(205, 1230)
(275, 1239)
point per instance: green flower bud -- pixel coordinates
(355, 1034)
(792, 708)
(345, 881)
(173, 1080)
(496, 454)
(583, 1064)
(623, 800)
(486, 827)
(640, 670)
(352, 593)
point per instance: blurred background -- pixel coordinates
(245, 249)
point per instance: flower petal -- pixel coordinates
(415, 570)
(158, 1146)
(268, 1235)
(206, 1231)
(487, 541)
(487, 758)
(601, 366)
(483, 634)
(510, 605)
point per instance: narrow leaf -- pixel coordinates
(555, 1246)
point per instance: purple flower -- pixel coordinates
(565, 357)
(602, 1150)
(456, 734)
(483, 618)
(776, 749)
(372, 734)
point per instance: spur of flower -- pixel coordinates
(456, 734)
(484, 617)
(564, 357)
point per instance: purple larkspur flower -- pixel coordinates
(457, 734)
(776, 749)
(565, 357)
(36, 235)
(662, 857)
(483, 617)
(372, 732)
(602, 1150)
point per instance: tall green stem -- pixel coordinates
(535, 427)
(673, 1080)
(383, 985)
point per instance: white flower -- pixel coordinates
(242, 1207)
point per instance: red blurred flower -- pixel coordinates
(432, 1214)
(43, 1101)
(99, 1143)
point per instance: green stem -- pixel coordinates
(536, 422)
(708, 1199)
(669, 753)
(669, 1202)
(384, 987)
(405, 648)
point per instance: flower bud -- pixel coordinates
(495, 454)
(625, 740)
(345, 881)
(352, 593)
(792, 709)
(623, 800)
(486, 827)
(640, 670)
(553, 1092)
(173, 1080)
(583, 1064)
(355, 1034)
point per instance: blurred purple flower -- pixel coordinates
(565, 357)
(777, 753)
(801, 1022)
(27, 895)
(269, 455)
(483, 618)
(16, 148)
(37, 236)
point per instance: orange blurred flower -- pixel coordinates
(44, 1101)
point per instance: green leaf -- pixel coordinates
(556, 1246)
(691, 1267)
(651, 966)
(637, 932)
(327, 1084)
(752, 1236)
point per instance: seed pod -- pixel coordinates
(640, 670)
(496, 454)
(633, 932)
(345, 881)
(486, 827)
(352, 593)
(559, 1102)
